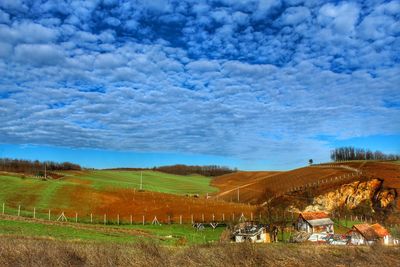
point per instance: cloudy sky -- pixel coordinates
(254, 84)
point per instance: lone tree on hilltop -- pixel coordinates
(310, 161)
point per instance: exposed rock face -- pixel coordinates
(353, 194)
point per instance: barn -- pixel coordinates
(315, 222)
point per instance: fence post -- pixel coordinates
(143, 219)
(180, 219)
(3, 207)
(34, 213)
(49, 214)
(202, 217)
(117, 219)
(191, 216)
(105, 219)
(91, 217)
(131, 218)
(19, 210)
(76, 217)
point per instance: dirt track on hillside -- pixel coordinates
(257, 187)
(262, 185)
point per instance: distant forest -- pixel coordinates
(351, 153)
(211, 170)
(34, 167)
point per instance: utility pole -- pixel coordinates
(141, 180)
(45, 172)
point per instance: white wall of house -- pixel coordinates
(262, 238)
(357, 239)
(256, 238)
(239, 239)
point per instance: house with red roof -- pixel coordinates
(366, 234)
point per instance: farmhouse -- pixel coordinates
(250, 232)
(365, 234)
(315, 222)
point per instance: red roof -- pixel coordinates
(371, 232)
(380, 230)
(314, 215)
(366, 231)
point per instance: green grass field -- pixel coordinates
(33, 192)
(165, 234)
(152, 181)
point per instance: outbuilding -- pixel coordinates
(250, 232)
(315, 222)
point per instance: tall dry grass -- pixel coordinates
(46, 252)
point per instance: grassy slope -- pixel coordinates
(152, 181)
(31, 193)
(166, 234)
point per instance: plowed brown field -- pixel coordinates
(167, 207)
(261, 185)
(257, 187)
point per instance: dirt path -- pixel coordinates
(245, 185)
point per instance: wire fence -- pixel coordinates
(59, 215)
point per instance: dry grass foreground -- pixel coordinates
(45, 252)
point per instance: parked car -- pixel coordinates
(337, 239)
(318, 237)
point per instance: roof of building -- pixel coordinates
(380, 230)
(320, 222)
(314, 215)
(366, 231)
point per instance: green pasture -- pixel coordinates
(165, 234)
(152, 181)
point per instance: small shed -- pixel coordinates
(315, 222)
(250, 232)
(366, 234)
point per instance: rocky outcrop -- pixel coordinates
(354, 194)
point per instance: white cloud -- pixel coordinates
(5, 50)
(39, 54)
(342, 18)
(295, 15)
(377, 27)
(109, 60)
(4, 17)
(203, 66)
(264, 80)
(265, 7)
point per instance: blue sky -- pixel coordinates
(253, 84)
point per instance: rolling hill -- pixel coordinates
(258, 187)
(116, 194)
